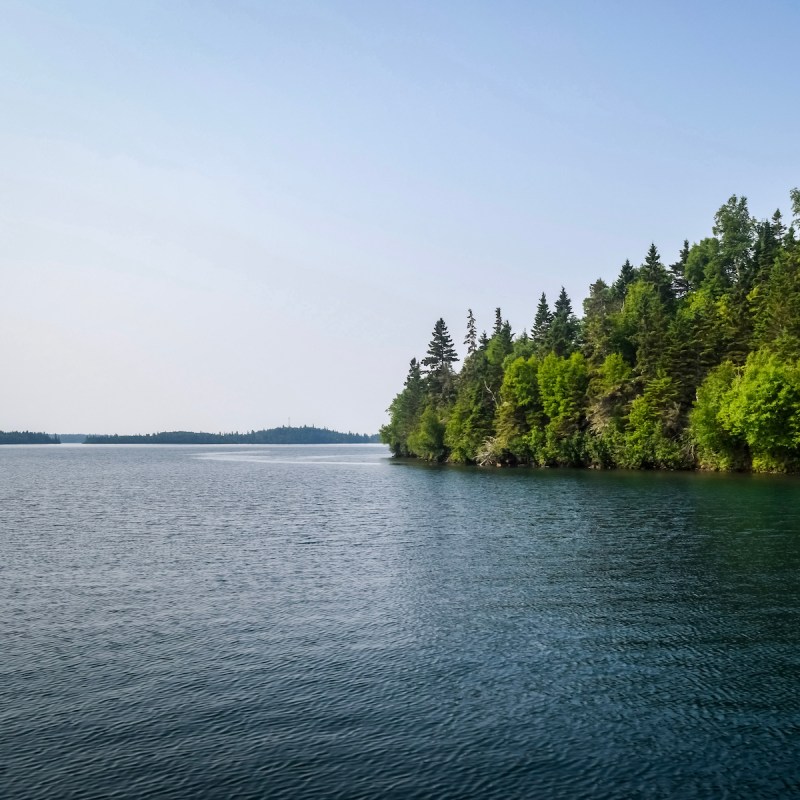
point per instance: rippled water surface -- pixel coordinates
(315, 622)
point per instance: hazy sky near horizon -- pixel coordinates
(222, 215)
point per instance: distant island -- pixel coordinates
(72, 438)
(28, 437)
(283, 435)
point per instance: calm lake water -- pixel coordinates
(320, 622)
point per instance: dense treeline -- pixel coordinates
(284, 435)
(27, 437)
(678, 366)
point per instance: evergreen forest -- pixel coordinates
(28, 437)
(689, 365)
(306, 434)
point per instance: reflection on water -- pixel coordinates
(282, 622)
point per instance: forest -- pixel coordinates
(28, 437)
(306, 434)
(690, 365)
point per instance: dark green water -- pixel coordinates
(318, 622)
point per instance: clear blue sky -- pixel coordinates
(219, 215)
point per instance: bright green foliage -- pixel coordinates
(716, 447)
(777, 302)
(763, 408)
(703, 266)
(427, 439)
(610, 388)
(404, 413)
(699, 337)
(645, 321)
(562, 388)
(468, 426)
(651, 438)
(611, 391)
(500, 346)
(523, 347)
(520, 410)
(695, 365)
(749, 417)
(470, 420)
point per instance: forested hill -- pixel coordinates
(694, 364)
(283, 435)
(27, 437)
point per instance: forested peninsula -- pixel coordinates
(694, 364)
(28, 437)
(283, 435)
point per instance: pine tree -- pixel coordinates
(471, 339)
(441, 355)
(500, 345)
(794, 194)
(766, 248)
(627, 275)
(563, 330)
(404, 412)
(597, 323)
(542, 322)
(778, 228)
(498, 322)
(414, 378)
(654, 273)
(680, 284)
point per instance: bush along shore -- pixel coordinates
(694, 364)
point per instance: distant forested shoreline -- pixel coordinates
(694, 364)
(282, 435)
(28, 437)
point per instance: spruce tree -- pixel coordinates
(563, 330)
(767, 245)
(627, 275)
(778, 228)
(404, 412)
(597, 322)
(680, 284)
(794, 194)
(654, 273)
(498, 322)
(542, 322)
(471, 339)
(441, 355)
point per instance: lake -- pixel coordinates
(322, 622)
